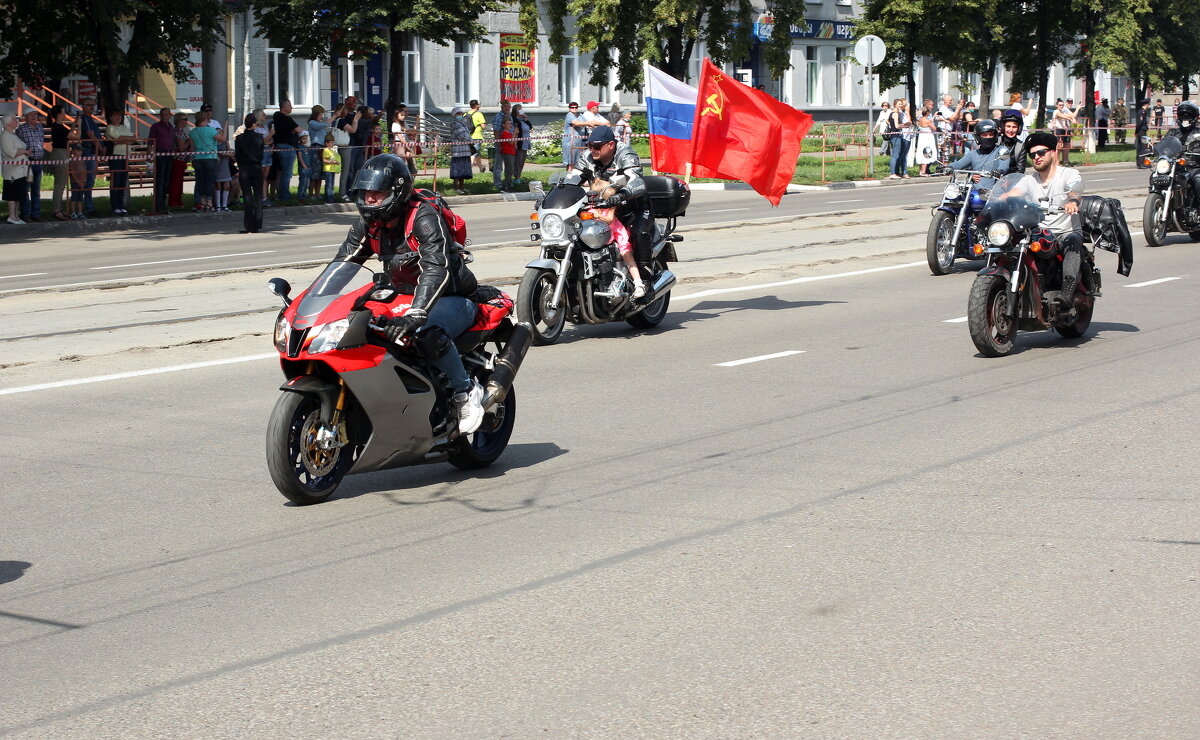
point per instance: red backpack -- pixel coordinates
(456, 224)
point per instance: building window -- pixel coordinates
(785, 84)
(699, 51)
(812, 69)
(844, 79)
(466, 85)
(410, 72)
(568, 77)
(291, 78)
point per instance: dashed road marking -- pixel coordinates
(760, 358)
(1151, 282)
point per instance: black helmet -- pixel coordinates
(388, 173)
(1012, 114)
(986, 134)
(1187, 114)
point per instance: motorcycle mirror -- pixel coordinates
(557, 177)
(281, 288)
(1004, 152)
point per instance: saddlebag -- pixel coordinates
(669, 197)
(1103, 220)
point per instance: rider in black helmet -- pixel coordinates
(1012, 124)
(986, 156)
(1188, 134)
(418, 251)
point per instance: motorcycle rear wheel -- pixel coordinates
(482, 448)
(992, 330)
(939, 252)
(533, 306)
(653, 314)
(302, 472)
(1154, 220)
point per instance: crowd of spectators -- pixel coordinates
(324, 153)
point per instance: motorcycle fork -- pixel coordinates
(1014, 286)
(958, 222)
(564, 267)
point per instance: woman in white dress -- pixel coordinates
(925, 148)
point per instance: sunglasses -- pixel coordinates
(1039, 153)
(595, 147)
(574, 107)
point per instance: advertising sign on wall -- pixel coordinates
(518, 69)
(190, 95)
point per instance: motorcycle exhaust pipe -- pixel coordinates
(664, 282)
(507, 365)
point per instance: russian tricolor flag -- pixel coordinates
(670, 111)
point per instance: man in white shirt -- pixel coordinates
(947, 117)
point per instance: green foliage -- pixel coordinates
(663, 33)
(109, 41)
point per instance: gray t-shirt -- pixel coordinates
(1054, 195)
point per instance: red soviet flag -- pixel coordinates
(745, 134)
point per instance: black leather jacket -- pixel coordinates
(625, 162)
(435, 269)
(1016, 145)
(1189, 138)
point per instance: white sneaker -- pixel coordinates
(469, 407)
(639, 289)
(15, 221)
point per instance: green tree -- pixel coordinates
(906, 30)
(1039, 35)
(328, 29)
(108, 41)
(663, 33)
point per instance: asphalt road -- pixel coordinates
(192, 245)
(861, 529)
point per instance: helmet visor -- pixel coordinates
(373, 179)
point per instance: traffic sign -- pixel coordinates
(869, 50)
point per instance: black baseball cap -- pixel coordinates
(206, 106)
(601, 135)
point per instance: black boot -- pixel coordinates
(1066, 298)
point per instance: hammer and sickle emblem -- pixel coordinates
(715, 103)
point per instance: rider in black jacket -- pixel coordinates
(1188, 134)
(422, 258)
(1011, 125)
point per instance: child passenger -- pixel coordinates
(620, 236)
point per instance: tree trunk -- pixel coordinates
(395, 80)
(1187, 88)
(1089, 93)
(910, 82)
(985, 85)
(1043, 87)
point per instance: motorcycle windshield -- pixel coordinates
(338, 279)
(1011, 201)
(563, 196)
(1170, 147)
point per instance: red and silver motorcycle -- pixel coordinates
(355, 402)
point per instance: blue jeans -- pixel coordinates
(454, 314)
(305, 178)
(329, 186)
(89, 183)
(351, 164)
(900, 147)
(285, 160)
(31, 207)
(118, 184)
(206, 173)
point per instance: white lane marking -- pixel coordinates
(523, 228)
(1102, 179)
(959, 320)
(856, 200)
(28, 274)
(184, 259)
(760, 358)
(133, 374)
(797, 281)
(727, 210)
(1151, 282)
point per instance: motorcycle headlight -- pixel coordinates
(553, 226)
(952, 191)
(283, 331)
(329, 336)
(1000, 233)
(1162, 166)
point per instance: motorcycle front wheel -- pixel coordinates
(1154, 220)
(303, 472)
(534, 306)
(939, 252)
(653, 314)
(992, 330)
(481, 449)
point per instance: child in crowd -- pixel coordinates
(331, 163)
(620, 236)
(223, 177)
(77, 173)
(508, 154)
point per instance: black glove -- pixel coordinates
(397, 329)
(396, 262)
(616, 199)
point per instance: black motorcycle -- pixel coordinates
(1171, 205)
(1018, 288)
(952, 230)
(580, 276)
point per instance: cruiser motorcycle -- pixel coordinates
(580, 277)
(1170, 206)
(952, 230)
(1019, 286)
(355, 402)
